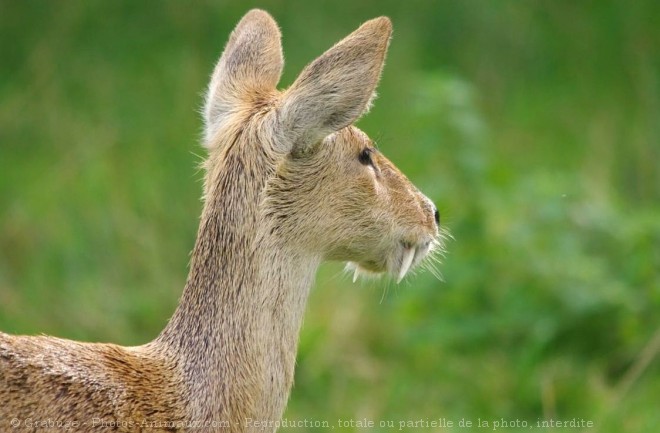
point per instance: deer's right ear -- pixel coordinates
(334, 90)
(250, 65)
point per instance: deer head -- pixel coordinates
(318, 183)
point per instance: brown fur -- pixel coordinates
(287, 186)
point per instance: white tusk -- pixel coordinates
(356, 274)
(406, 261)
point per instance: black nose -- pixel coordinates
(436, 215)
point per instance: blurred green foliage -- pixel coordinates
(535, 126)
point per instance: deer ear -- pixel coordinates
(251, 64)
(335, 89)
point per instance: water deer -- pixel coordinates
(289, 183)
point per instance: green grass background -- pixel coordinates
(535, 127)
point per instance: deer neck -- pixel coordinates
(235, 332)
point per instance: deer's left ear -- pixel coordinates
(250, 65)
(335, 89)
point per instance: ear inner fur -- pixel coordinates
(249, 68)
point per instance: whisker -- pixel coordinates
(382, 297)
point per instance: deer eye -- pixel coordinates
(365, 157)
